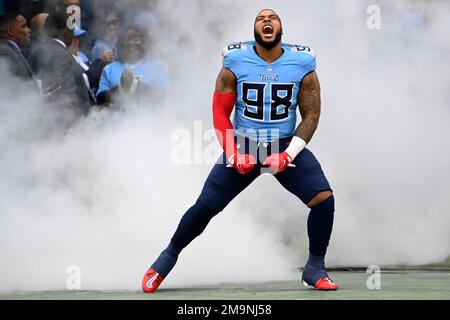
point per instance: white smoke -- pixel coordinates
(105, 195)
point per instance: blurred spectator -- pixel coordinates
(133, 74)
(102, 55)
(82, 60)
(37, 25)
(75, 47)
(86, 10)
(14, 35)
(107, 31)
(62, 77)
(103, 52)
(37, 35)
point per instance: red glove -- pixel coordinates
(243, 163)
(278, 162)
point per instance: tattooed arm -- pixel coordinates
(309, 105)
(226, 81)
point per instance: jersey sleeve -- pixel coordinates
(231, 54)
(310, 63)
(305, 56)
(229, 62)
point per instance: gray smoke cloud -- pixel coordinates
(105, 195)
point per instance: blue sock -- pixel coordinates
(166, 260)
(320, 225)
(314, 269)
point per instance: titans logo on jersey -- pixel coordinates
(266, 105)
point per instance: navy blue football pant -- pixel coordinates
(223, 184)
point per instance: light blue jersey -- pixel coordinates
(266, 105)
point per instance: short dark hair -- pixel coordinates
(55, 24)
(6, 20)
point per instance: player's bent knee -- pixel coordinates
(319, 198)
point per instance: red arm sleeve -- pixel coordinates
(223, 104)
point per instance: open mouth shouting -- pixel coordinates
(267, 30)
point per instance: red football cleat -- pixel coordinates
(151, 281)
(325, 284)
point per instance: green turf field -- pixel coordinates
(396, 284)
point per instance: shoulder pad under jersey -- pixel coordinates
(300, 49)
(236, 46)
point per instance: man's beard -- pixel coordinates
(267, 45)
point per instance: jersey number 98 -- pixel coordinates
(280, 95)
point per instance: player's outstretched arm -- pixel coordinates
(309, 105)
(223, 104)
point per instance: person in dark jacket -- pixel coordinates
(62, 77)
(15, 35)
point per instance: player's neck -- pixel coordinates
(269, 55)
